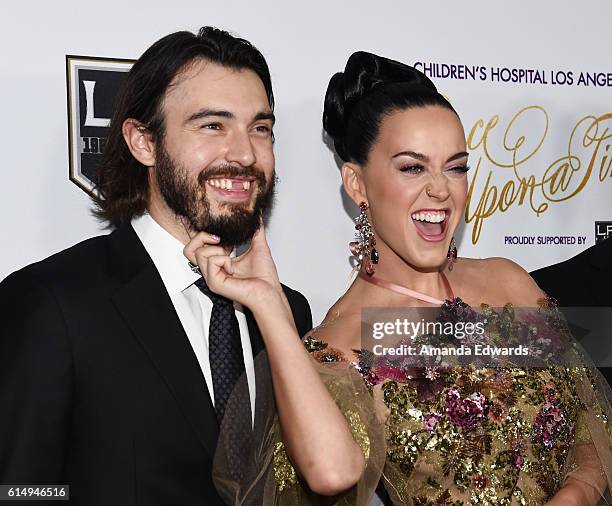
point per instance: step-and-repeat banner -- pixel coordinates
(533, 91)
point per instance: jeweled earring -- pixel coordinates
(452, 254)
(363, 248)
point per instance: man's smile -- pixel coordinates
(235, 188)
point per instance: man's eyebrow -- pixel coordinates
(267, 115)
(207, 113)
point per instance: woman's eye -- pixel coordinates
(412, 169)
(461, 169)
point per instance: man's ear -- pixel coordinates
(352, 180)
(139, 141)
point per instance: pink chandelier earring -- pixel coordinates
(363, 247)
(452, 254)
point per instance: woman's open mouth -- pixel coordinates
(431, 224)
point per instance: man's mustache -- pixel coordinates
(231, 171)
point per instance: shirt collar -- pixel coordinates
(166, 251)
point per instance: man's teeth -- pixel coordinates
(430, 216)
(228, 184)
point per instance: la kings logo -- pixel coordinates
(92, 85)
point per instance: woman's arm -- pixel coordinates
(316, 435)
(585, 485)
(575, 493)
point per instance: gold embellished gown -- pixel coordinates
(444, 436)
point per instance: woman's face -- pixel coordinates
(415, 183)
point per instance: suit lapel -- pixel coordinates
(601, 256)
(261, 368)
(264, 390)
(254, 335)
(144, 303)
(147, 309)
(601, 261)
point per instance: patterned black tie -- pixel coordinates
(224, 348)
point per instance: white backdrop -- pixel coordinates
(41, 211)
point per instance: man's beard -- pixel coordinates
(186, 198)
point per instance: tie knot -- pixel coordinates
(215, 298)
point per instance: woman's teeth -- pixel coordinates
(228, 184)
(430, 216)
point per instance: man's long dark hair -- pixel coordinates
(122, 187)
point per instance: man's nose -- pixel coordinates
(240, 149)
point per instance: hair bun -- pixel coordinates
(333, 112)
(363, 73)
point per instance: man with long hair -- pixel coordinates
(116, 361)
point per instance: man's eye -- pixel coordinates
(263, 129)
(212, 126)
(412, 169)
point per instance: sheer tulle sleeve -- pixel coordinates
(589, 463)
(252, 467)
(468, 432)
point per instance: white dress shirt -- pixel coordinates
(192, 306)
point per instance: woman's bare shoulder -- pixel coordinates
(340, 329)
(515, 282)
(496, 281)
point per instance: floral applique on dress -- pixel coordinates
(467, 435)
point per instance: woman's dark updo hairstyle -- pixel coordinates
(370, 88)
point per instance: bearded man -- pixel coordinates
(116, 361)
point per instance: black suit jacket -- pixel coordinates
(582, 281)
(99, 386)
